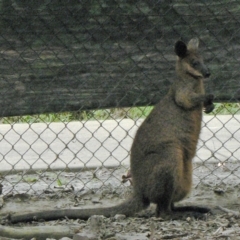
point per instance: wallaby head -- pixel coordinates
(190, 63)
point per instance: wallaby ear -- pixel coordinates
(180, 49)
(193, 44)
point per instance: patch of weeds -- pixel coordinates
(139, 112)
(105, 114)
(30, 179)
(60, 182)
(226, 108)
(101, 114)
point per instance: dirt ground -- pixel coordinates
(214, 185)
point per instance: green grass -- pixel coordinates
(60, 182)
(114, 113)
(226, 108)
(30, 179)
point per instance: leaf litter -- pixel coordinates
(221, 194)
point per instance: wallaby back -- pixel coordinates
(164, 145)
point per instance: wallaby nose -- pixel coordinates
(207, 75)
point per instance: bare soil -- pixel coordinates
(214, 186)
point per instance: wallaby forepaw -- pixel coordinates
(208, 103)
(209, 108)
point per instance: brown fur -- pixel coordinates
(164, 146)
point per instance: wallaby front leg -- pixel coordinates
(189, 100)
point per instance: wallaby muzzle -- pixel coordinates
(207, 75)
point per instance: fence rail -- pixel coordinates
(69, 56)
(59, 56)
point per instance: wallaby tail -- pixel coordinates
(127, 208)
(198, 209)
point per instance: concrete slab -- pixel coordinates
(91, 144)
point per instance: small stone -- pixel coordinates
(85, 236)
(96, 200)
(131, 236)
(144, 228)
(119, 217)
(95, 223)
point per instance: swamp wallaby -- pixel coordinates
(163, 148)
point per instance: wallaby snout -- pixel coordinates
(207, 74)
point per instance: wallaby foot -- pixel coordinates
(196, 212)
(191, 209)
(185, 215)
(163, 209)
(184, 212)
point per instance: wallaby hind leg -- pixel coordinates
(164, 202)
(164, 205)
(160, 184)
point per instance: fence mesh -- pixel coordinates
(78, 77)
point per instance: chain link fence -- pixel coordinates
(78, 77)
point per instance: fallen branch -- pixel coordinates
(38, 232)
(226, 210)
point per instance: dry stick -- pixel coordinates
(47, 215)
(226, 210)
(38, 232)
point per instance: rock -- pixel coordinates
(95, 223)
(85, 236)
(131, 236)
(119, 217)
